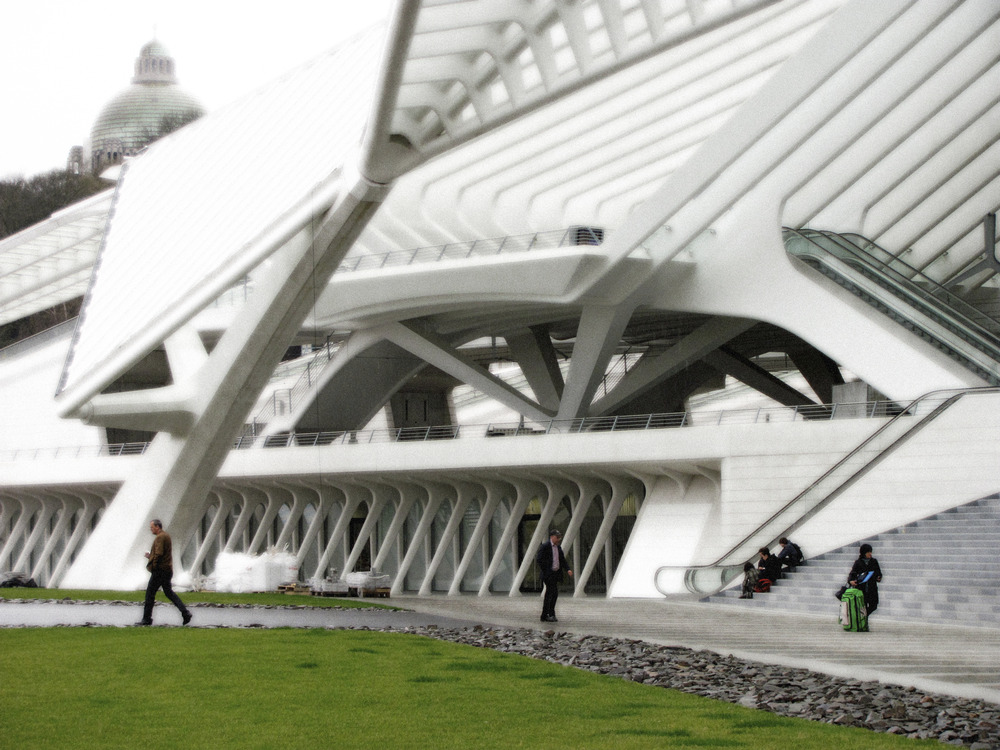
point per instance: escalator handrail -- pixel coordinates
(952, 308)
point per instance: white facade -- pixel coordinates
(785, 194)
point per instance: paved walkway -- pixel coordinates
(956, 661)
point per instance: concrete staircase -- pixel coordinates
(941, 569)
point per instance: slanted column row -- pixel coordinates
(41, 530)
(428, 534)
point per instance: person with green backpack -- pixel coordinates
(865, 575)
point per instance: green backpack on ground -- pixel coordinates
(853, 615)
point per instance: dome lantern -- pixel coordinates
(154, 65)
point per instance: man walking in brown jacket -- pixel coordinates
(161, 570)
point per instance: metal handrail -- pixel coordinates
(75, 451)
(620, 423)
(729, 570)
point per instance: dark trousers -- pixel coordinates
(551, 594)
(159, 579)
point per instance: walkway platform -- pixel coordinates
(952, 660)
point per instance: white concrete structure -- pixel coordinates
(785, 194)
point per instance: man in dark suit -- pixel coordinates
(552, 563)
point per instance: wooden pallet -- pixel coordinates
(293, 588)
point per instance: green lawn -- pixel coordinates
(204, 688)
(190, 597)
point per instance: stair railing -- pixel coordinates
(707, 579)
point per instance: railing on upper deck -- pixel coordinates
(632, 422)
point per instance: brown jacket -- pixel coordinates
(161, 557)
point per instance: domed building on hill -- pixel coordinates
(153, 106)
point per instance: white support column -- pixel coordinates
(621, 489)
(322, 506)
(376, 502)
(612, 507)
(524, 490)
(588, 489)
(591, 488)
(549, 508)
(389, 542)
(287, 536)
(65, 515)
(6, 512)
(90, 507)
(248, 504)
(493, 496)
(350, 503)
(270, 511)
(463, 496)
(226, 501)
(420, 534)
(36, 536)
(28, 507)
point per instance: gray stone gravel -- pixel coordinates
(781, 690)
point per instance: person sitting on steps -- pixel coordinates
(790, 554)
(769, 566)
(749, 580)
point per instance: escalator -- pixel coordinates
(909, 297)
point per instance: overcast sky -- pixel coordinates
(62, 60)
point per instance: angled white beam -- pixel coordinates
(649, 372)
(436, 351)
(730, 363)
(599, 331)
(90, 507)
(532, 349)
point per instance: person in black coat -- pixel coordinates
(552, 563)
(865, 575)
(790, 554)
(769, 566)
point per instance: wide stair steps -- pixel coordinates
(941, 569)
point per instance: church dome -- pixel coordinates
(151, 107)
